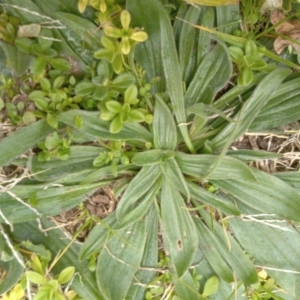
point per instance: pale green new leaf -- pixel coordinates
(251, 107)
(152, 157)
(200, 166)
(268, 194)
(119, 260)
(178, 227)
(22, 140)
(164, 128)
(138, 186)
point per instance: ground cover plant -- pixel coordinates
(147, 98)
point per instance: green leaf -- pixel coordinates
(13, 272)
(213, 200)
(200, 166)
(52, 120)
(251, 107)
(173, 174)
(123, 81)
(274, 248)
(236, 53)
(211, 286)
(35, 277)
(56, 241)
(113, 106)
(246, 155)
(60, 64)
(116, 124)
(245, 77)
(138, 186)
(210, 247)
(268, 194)
(152, 157)
(95, 127)
(24, 44)
(66, 275)
(212, 75)
(164, 128)
(17, 60)
(130, 96)
(22, 140)
(228, 247)
(119, 260)
(179, 228)
(58, 82)
(38, 65)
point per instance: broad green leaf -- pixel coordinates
(292, 178)
(22, 140)
(38, 65)
(203, 196)
(246, 155)
(94, 126)
(149, 259)
(60, 64)
(228, 17)
(212, 75)
(179, 228)
(251, 107)
(228, 247)
(84, 88)
(138, 186)
(164, 128)
(56, 241)
(272, 248)
(17, 60)
(210, 247)
(201, 165)
(119, 260)
(268, 194)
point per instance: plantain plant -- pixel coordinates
(127, 95)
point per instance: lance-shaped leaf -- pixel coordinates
(228, 247)
(50, 201)
(164, 128)
(274, 248)
(81, 158)
(210, 247)
(138, 186)
(214, 2)
(22, 140)
(268, 194)
(179, 228)
(211, 199)
(201, 165)
(119, 260)
(246, 155)
(291, 178)
(175, 177)
(145, 275)
(212, 74)
(92, 125)
(251, 107)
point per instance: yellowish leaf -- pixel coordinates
(213, 2)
